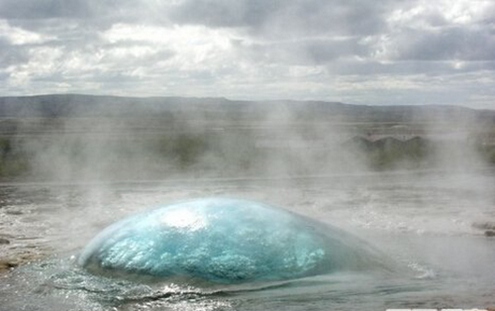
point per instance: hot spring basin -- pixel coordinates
(223, 241)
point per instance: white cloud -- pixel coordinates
(192, 47)
(42, 62)
(423, 14)
(19, 36)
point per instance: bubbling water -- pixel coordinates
(224, 241)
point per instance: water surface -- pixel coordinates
(421, 222)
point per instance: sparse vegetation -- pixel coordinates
(157, 138)
(389, 153)
(13, 161)
(184, 149)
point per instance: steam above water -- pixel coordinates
(83, 138)
(416, 183)
(95, 142)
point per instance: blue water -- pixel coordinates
(422, 223)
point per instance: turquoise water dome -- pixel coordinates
(223, 241)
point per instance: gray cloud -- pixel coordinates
(452, 43)
(225, 13)
(286, 18)
(10, 55)
(91, 14)
(41, 9)
(274, 48)
(303, 52)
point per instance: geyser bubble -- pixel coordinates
(224, 241)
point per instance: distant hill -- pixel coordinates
(72, 137)
(73, 105)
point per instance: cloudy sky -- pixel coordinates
(355, 51)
